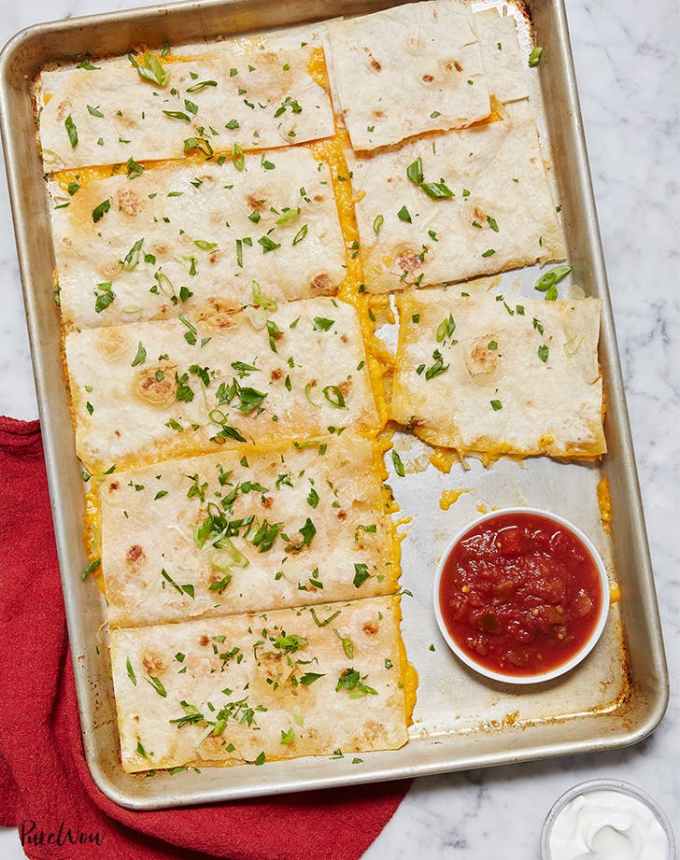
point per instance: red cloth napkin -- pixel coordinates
(45, 784)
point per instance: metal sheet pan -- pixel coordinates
(614, 699)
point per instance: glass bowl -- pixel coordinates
(605, 785)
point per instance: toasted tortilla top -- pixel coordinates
(487, 376)
(260, 687)
(177, 387)
(406, 70)
(191, 234)
(246, 529)
(488, 209)
(245, 91)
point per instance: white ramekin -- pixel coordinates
(575, 659)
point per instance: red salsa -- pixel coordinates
(520, 594)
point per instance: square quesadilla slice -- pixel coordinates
(192, 234)
(494, 377)
(456, 206)
(260, 687)
(146, 107)
(180, 387)
(407, 70)
(247, 529)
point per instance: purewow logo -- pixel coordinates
(31, 834)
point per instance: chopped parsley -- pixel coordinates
(435, 190)
(99, 211)
(104, 296)
(351, 681)
(134, 169)
(361, 574)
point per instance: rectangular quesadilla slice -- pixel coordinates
(456, 206)
(247, 689)
(407, 70)
(145, 107)
(181, 387)
(247, 529)
(194, 234)
(494, 377)
(505, 66)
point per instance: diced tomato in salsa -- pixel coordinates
(520, 594)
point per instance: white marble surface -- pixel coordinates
(628, 67)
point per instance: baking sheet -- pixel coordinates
(460, 721)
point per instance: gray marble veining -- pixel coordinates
(628, 68)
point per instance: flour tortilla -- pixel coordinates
(248, 688)
(269, 79)
(407, 70)
(494, 171)
(152, 520)
(188, 221)
(505, 65)
(538, 368)
(134, 411)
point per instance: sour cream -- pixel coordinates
(607, 825)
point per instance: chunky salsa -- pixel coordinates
(520, 593)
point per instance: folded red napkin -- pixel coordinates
(45, 785)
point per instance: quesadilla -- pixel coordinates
(191, 234)
(247, 529)
(253, 688)
(456, 206)
(505, 67)
(147, 106)
(486, 375)
(407, 70)
(154, 389)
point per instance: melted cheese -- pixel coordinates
(352, 289)
(605, 504)
(443, 459)
(450, 497)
